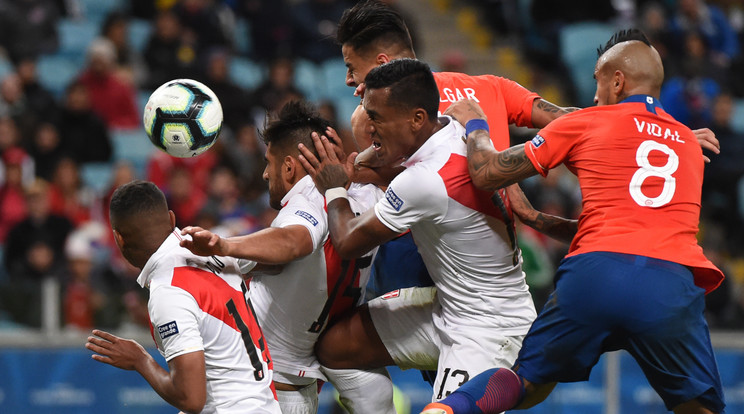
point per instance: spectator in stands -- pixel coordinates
(224, 196)
(34, 249)
(46, 149)
(128, 61)
(315, 24)
(80, 300)
(653, 21)
(278, 87)
(28, 27)
(39, 100)
(13, 104)
(722, 175)
(688, 96)
(207, 20)
(170, 53)
(270, 28)
(711, 23)
(184, 198)
(244, 153)
(12, 199)
(233, 98)
(83, 133)
(111, 97)
(67, 195)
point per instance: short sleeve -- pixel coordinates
(519, 101)
(553, 144)
(303, 212)
(174, 314)
(413, 196)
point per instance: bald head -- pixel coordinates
(628, 65)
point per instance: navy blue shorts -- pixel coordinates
(610, 301)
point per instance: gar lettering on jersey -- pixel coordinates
(503, 101)
(640, 173)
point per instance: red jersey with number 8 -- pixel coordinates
(641, 176)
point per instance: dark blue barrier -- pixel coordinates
(67, 380)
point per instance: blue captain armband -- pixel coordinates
(475, 124)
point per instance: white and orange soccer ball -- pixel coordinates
(183, 117)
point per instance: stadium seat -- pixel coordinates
(55, 72)
(97, 10)
(246, 73)
(75, 36)
(139, 34)
(242, 37)
(334, 75)
(308, 79)
(6, 67)
(97, 175)
(345, 106)
(579, 43)
(737, 117)
(134, 147)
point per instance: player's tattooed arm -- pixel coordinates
(543, 112)
(490, 169)
(559, 228)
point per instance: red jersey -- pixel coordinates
(504, 101)
(641, 175)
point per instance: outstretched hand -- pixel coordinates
(707, 139)
(203, 242)
(331, 168)
(465, 110)
(121, 353)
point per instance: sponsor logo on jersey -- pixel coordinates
(167, 329)
(391, 295)
(393, 199)
(307, 216)
(537, 141)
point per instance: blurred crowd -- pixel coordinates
(75, 74)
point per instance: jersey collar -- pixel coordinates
(651, 102)
(299, 187)
(148, 271)
(430, 145)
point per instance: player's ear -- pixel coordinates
(289, 168)
(418, 119)
(382, 58)
(118, 239)
(618, 82)
(172, 219)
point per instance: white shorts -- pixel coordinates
(409, 324)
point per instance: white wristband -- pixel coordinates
(334, 193)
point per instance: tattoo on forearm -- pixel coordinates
(491, 169)
(549, 107)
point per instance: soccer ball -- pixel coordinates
(183, 117)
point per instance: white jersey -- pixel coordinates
(466, 242)
(295, 305)
(198, 304)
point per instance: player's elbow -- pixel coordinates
(348, 251)
(193, 402)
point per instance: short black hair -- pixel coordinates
(623, 36)
(370, 21)
(135, 198)
(411, 84)
(296, 121)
